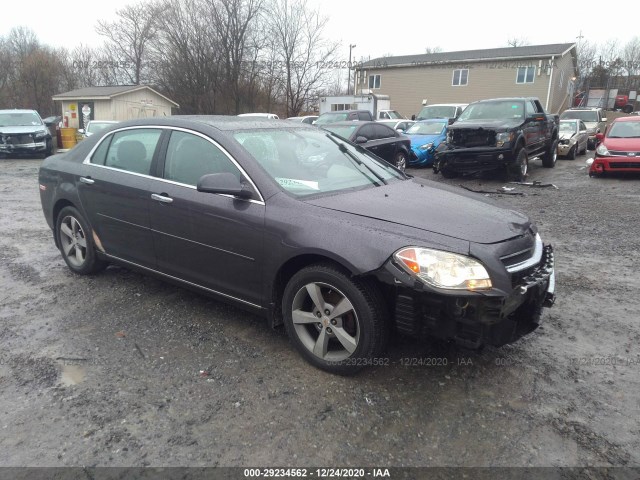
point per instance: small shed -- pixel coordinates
(121, 102)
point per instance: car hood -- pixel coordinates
(418, 140)
(501, 124)
(22, 130)
(432, 207)
(622, 144)
(566, 135)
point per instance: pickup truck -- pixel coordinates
(501, 133)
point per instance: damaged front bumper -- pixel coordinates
(473, 319)
(473, 159)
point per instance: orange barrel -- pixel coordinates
(68, 136)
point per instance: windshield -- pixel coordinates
(493, 111)
(624, 130)
(95, 127)
(568, 127)
(584, 115)
(19, 119)
(312, 162)
(344, 131)
(437, 111)
(331, 118)
(431, 128)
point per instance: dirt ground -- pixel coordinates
(120, 369)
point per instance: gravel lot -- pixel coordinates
(106, 370)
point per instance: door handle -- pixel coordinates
(87, 180)
(161, 198)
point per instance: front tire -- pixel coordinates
(551, 155)
(76, 243)
(336, 323)
(572, 153)
(519, 170)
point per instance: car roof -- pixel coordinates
(627, 119)
(18, 110)
(508, 99)
(348, 123)
(447, 105)
(582, 109)
(219, 122)
(434, 120)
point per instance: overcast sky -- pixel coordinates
(377, 28)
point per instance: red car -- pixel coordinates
(619, 148)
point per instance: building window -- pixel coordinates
(526, 74)
(374, 81)
(460, 77)
(339, 107)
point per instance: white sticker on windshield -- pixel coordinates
(293, 183)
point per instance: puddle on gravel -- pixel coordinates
(72, 375)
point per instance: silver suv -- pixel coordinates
(593, 117)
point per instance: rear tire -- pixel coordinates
(400, 160)
(551, 155)
(76, 243)
(341, 343)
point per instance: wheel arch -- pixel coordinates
(289, 268)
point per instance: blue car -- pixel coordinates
(425, 136)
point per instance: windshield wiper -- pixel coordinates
(343, 148)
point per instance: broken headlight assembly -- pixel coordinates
(426, 146)
(602, 150)
(443, 269)
(504, 137)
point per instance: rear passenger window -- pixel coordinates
(382, 131)
(367, 132)
(189, 157)
(100, 155)
(133, 150)
(364, 116)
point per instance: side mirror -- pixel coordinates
(600, 136)
(604, 119)
(361, 139)
(223, 183)
(451, 120)
(81, 130)
(399, 130)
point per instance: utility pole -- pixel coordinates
(351, 47)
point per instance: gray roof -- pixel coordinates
(528, 51)
(88, 93)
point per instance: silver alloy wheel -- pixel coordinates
(401, 161)
(73, 241)
(325, 321)
(524, 167)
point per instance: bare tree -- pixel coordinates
(128, 39)
(305, 57)
(233, 20)
(517, 41)
(631, 57)
(587, 57)
(435, 49)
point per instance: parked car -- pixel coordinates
(95, 126)
(306, 119)
(593, 117)
(379, 139)
(499, 134)
(399, 125)
(573, 138)
(318, 235)
(344, 115)
(619, 148)
(425, 137)
(271, 116)
(442, 110)
(24, 132)
(389, 115)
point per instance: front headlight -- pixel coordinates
(40, 134)
(504, 137)
(426, 146)
(602, 150)
(443, 269)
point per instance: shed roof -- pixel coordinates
(106, 93)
